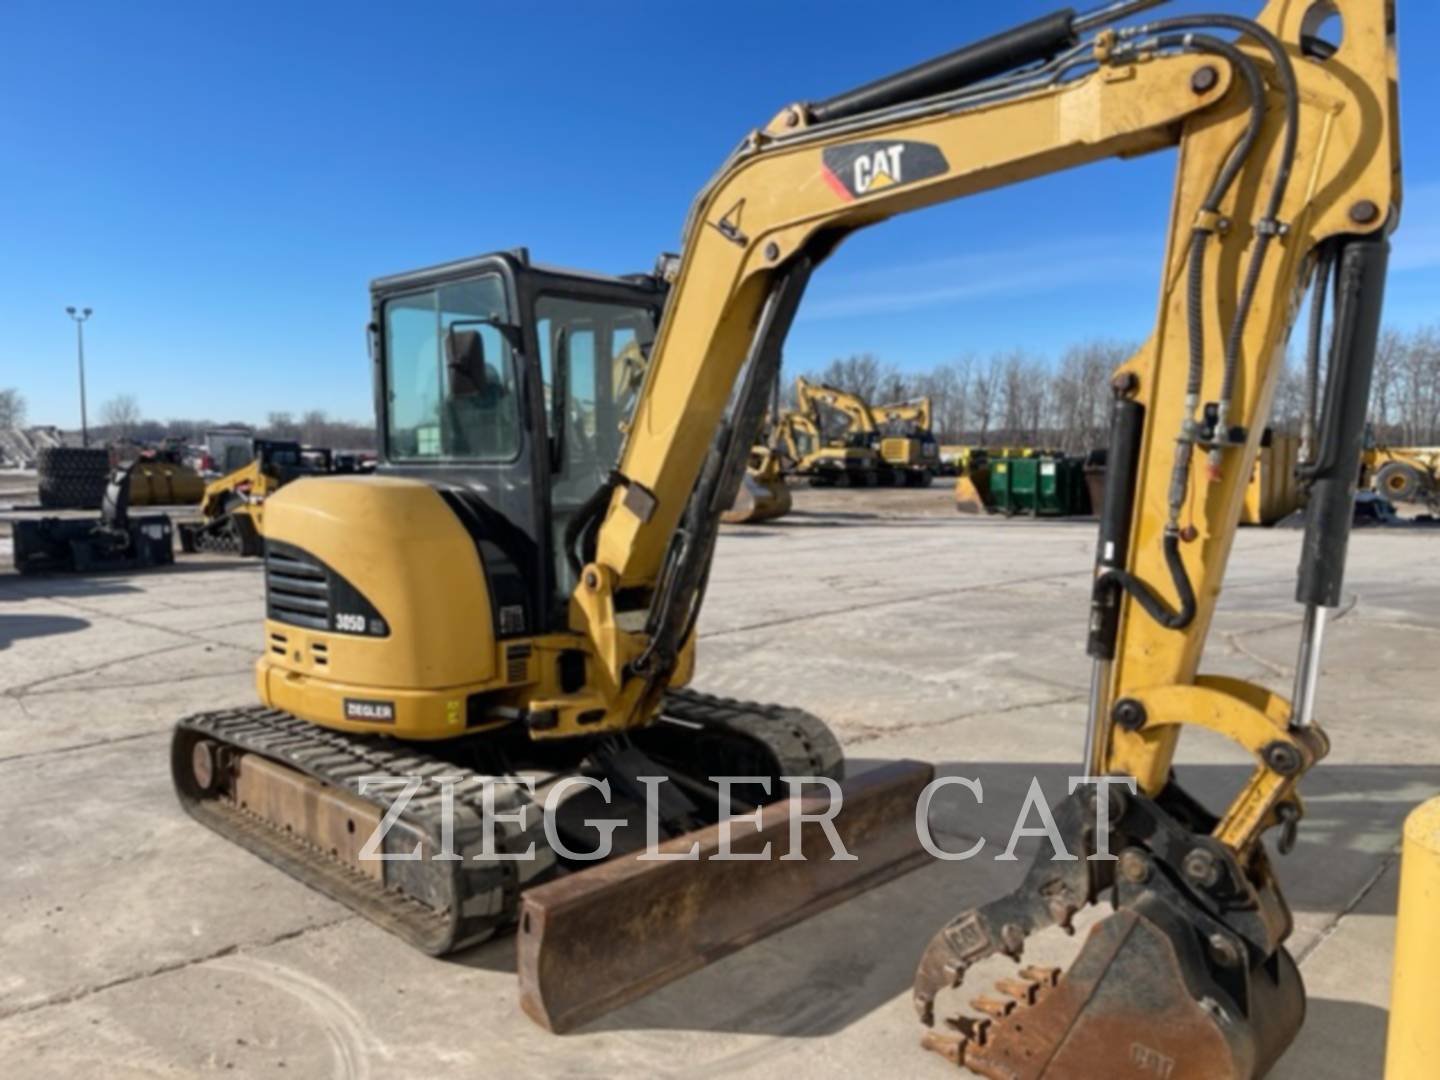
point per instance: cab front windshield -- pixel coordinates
(435, 411)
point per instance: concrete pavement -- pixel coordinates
(136, 944)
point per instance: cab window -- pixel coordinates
(450, 401)
(602, 350)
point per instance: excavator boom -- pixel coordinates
(1288, 173)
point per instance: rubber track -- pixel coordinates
(802, 743)
(217, 536)
(470, 899)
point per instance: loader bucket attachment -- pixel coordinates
(599, 939)
(1186, 979)
(758, 499)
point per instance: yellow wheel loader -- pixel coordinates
(508, 588)
(1409, 474)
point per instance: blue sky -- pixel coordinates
(220, 181)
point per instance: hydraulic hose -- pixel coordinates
(1269, 226)
(1210, 207)
(1205, 226)
(1153, 605)
(1180, 33)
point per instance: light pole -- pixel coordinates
(80, 317)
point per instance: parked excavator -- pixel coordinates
(907, 441)
(803, 451)
(895, 458)
(509, 587)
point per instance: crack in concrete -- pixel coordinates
(872, 605)
(1332, 927)
(80, 993)
(165, 681)
(855, 735)
(28, 689)
(93, 744)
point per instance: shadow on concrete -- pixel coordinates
(111, 583)
(17, 627)
(192, 565)
(828, 517)
(44, 586)
(824, 974)
(1336, 1041)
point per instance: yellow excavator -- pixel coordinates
(890, 458)
(798, 440)
(509, 588)
(899, 456)
(907, 441)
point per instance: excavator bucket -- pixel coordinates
(758, 500)
(1186, 979)
(972, 489)
(763, 494)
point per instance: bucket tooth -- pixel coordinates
(972, 1029)
(950, 1047)
(1022, 990)
(1045, 976)
(992, 1006)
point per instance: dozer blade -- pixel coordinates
(1187, 980)
(604, 937)
(758, 500)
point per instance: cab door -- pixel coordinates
(453, 406)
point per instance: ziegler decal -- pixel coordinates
(374, 712)
(863, 168)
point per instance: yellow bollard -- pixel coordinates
(1413, 1047)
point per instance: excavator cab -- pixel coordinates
(508, 385)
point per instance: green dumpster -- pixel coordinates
(1049, 486)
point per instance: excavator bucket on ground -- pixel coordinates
(972, 488)
(763, 494)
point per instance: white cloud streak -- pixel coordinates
(1029, 271)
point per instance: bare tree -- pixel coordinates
(12, 408)
(1388, 358)
(314, 427)
(120, 414)
(281, 425)
(985, 394)
(1020, 398)
(863, 375)
(1080, 395)
(948, 388)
